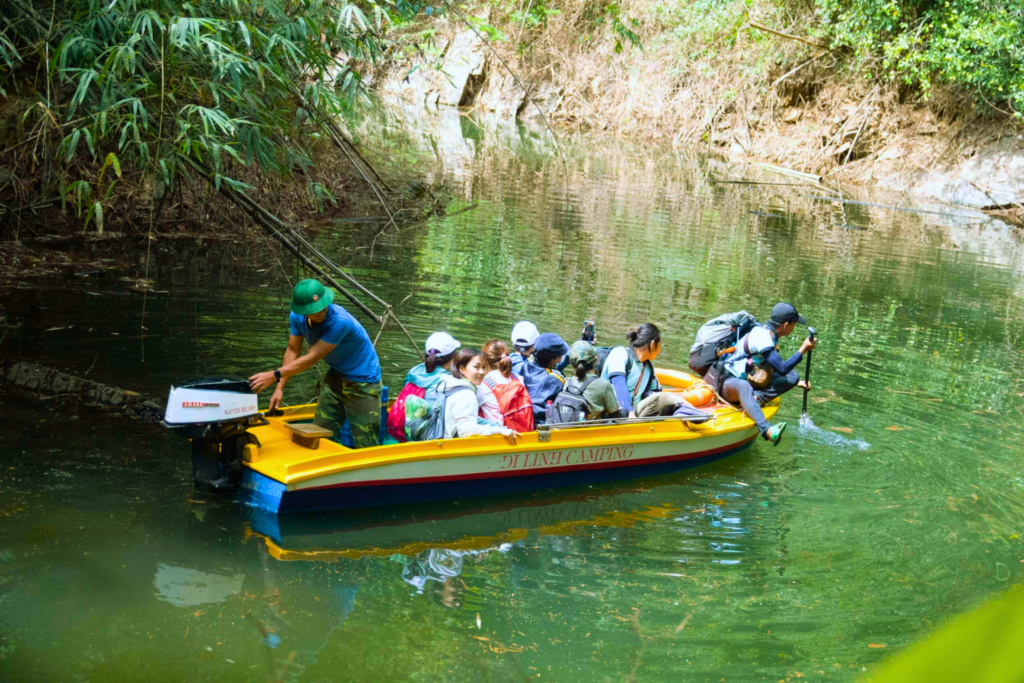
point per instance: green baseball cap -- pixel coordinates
(582, 351)
(310, 297)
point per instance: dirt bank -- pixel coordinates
(751, 85)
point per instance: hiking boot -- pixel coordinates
(774, 433)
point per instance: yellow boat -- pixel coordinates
(287, 466)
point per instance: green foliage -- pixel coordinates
(703, 27)
(529, 14)
(595, 18)
(81, 193)
(981, 646)
(620, 25)
(224, 81)
(974, 44)
(319, 195)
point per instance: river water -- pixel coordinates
(896, 508)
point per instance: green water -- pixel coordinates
(818, 558)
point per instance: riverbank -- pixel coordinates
(753, 83)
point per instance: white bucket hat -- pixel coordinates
(441, 343)
(524, 333)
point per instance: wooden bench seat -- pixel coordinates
(308, 435)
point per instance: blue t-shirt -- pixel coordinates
(353, 357)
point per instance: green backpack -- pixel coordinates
(424, 417)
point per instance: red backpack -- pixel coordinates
(514, 404)
(396, 415)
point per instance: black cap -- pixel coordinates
(786, 313)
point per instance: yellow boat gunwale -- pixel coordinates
(290, 463)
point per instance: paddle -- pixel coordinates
(807, 372)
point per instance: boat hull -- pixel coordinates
(282, 476)
(272, 496)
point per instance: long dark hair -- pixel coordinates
(462, 359)
(643, 336)
(496, 355)
(432, 361)
(582, 368)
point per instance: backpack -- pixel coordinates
(758, 374)
(570, 406)
(514, 404)
(396, 416)
(424, 417)
(602, 356)
(542, 386)
(716, 335)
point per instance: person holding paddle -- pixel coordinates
(753, 373)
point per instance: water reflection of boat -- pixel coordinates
(416, 530)
(281, 475)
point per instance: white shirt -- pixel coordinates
(761, 343)
(461, 409)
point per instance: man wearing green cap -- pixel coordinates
(352, 387)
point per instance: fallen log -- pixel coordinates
(38, 381)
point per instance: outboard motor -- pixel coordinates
(214, 413)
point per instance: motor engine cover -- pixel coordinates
(210, 400)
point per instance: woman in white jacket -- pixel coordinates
(466, 369)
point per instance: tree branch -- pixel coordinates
(805, 41)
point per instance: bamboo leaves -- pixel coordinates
(95, 213)
(185, 30)
(110, 161)
(9, 55)
(87, 77)
(81, 191)
(72, 142)
(218, 79)
(213, 119)
(351, 16)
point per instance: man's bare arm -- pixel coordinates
(292, 352)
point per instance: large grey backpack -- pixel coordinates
(569, 406)
(715, 336)
(725, 330)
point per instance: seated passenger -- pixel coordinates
(542, 380)
(597, 392)
(466, 370)
(757, 349)
(524, 335)
(418, 381)
(630, 370)
(503, 398)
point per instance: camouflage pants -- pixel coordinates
(359, 402)
(658, 403)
